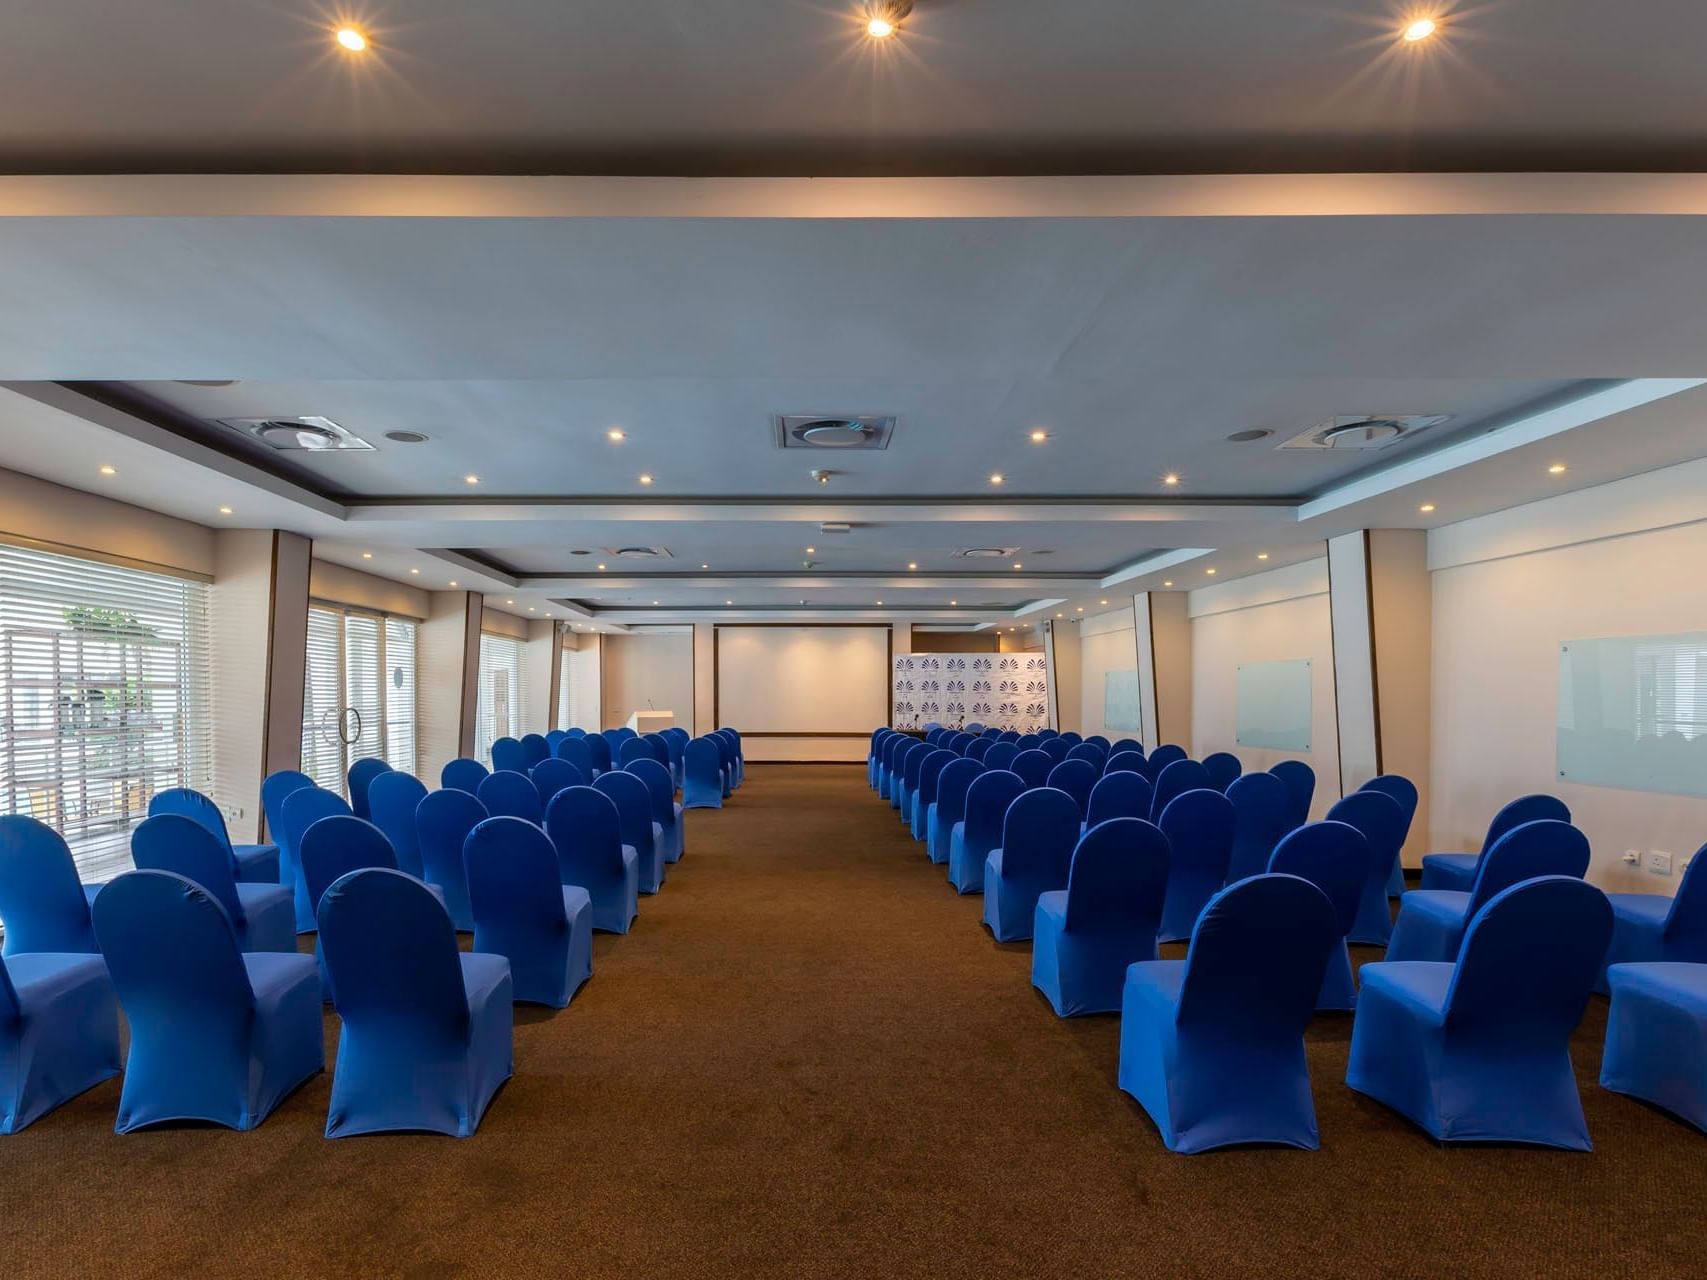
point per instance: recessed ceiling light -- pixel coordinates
(414, 571)
(1167, 584)
(471, 479)
(880, 602)
(1039, 436)
(1060, 615)
(1426, 508)
(601, 567)
(367, 555)
(883, 18)
(1262, 555)
(1019, 566)
(1170, 478)
(1210, 572)
(509, 602)
(351, 39)
(1102, 602)
(109, 471)
(453, 582)
(913, 564)
(705, 566)
(1557, 469)
(1080, 609)
(645, 479)
(1421, 29)
(225, 511)
(654, 602)
(616, 433)
(530, 608)
(953, 602)
(728, 602)
(811, 551)
(997, 478)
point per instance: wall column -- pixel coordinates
(1065, 664)
(704, 680)
(448, 665)
(1163, 629)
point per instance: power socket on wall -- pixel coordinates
(1659, 862)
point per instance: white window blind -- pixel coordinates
(498, 706)
(565, 691)
(105, 697)
(359, 695)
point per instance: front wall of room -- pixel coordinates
(1107, 643)
(648, 671)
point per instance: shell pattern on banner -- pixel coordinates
(1009, 691)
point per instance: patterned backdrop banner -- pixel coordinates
(1006, 690)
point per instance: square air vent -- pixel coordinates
(833, 431)
(306, 434)
(1364, 431)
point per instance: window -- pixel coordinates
(105, 697)
(565, 689)
(498, 709)
(358, 697)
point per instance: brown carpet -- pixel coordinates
(809, 1059)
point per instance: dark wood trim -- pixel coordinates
(717, 629)
(267, 680)
(1374, 654)
(1333, 669)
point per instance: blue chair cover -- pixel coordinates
(1000, 756)
(302, 809)
(924, 795)
(1097, 740)
(1161, 758)
(1431, 922)
(508, 753)
(676, 739)
(888, 784)
(660, 747)
(1404, 793)
(1300, 780)
(1212, 1046)
(1653, 927)
(1382, 823)
(950, 807)
(1199, 825)
(1090, 753)
(971, 840)
(587, 830)
(551, 775)
(1039, 834)
(263, 916)
(1121, 794)
(975, 729)
(444, 820)
(275, 789)
(360, 778)
(574, 731)
(523, 912)
(578, 752)
(43, 905)
(393, 801)
(1335, 858)
(979, 749)
(1125, 744)
(1223, 768)
(463, 774)
(59, 1032)
(598, 750)
(215, 1035)
(666, 813)
(1129, 762)
(1055, 748)
(871, 755)
(508, 794)
(960, 741)
(702, 776)
(633, 749)
(634, 813)
(1087, 935)
(1262, 810)
(1458, 870)
(1479, 1051)
(1072, 738)
(252, 863)
(1010, 735)
(911, 763)
(1031, 742)
(426, 1037)
(1033, 767)
(613, 739)
(1175, 779)
(1656, 1036)
(726, 757)
(552, 738)
(534, 749)
(1076, 778)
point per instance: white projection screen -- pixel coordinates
(806, 682)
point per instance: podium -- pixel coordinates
(644, 722)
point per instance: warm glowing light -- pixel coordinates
(225, 511)
(1210, 572)
(1039, 436)
(602, 567)
(471, 479)
(1262, 555)
(453, 583)
(953, 602)
(1557, 469)
(913, 565)
(997, 478)
(351, 39)
(1102, 602)
(705, 566)
(728, 602)
(616, 433)
(811, 551)
(109, 471)
(1170, 478)
(367, 555)
(414, 571)
(530, 608)
(1426, 508)
(1421, 29)
(645, 479)
(880, 28)
(509, 602)
(1019, 566)
(1167, 584)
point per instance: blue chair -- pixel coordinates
(393, 801)
(661, 753)
(587, 830)
(463, 774)
(1124, 745)
(911, 762)
(1175, 779)
(523, 912)
(1077, 778)
(1223, 768)
(974, 729)
(930, 774)
(509, 754)
(1009, 735)
(1199, 825)
(1001, 755)
(1129, 762)
(979, 749)
(887, 783)
(577, 752)
(1334, 858)
(360, 778)
(598, 751)
(43, 905)
(1039, 833)
(444, 820)
(1300, 780)
(950, 807)
(1033, 767)
(263, 916)
(552, 738)
(253, 863)
(426, 1037)
(1431, 922)
(534, 749)
(1031, 742)
(613, 740)
(508, 794)
(1262, 812)
(1212, 1046)
(1479, 1050)
(276, 788)
(872, 756)
(676, 739)
(215, 1034)
(1090, 753)
(1161, 758)
(702, 776)
(1403, 792)
(1458, 870)
(634, 813)
(959, 742)
(1097, 740)
(1055, 748)
(734, 737)
(59, 1032)
(1653, 927)
(1072, 739)
(971, 840)
(1656, 1036)
(666, 813)
(1087, 935)
(574, 731)
(302, 809)
(633, 749)
(1120, 794)
(1382, 823)
(551, 775)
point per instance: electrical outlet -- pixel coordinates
(1632, 857)
(1659, 862)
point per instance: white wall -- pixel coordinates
(1280, 616)
(1508, 590)
(803, 692)
(648, 666)
(1107, 643)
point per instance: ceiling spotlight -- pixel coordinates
(1557, 469)
(705, 566)
(109, 471)
(997, 478)
(414, 571)
(471, 479)
(953, 603)
(367, 555)
(1019, 566)
(1262, 555)
(1102, 602)
(530, 608)
(1170, 478)
(728, 602)
(1080, 609)
(351, 39)
(1060, 615)
(1039, 436)
(811, 551)
(1426, 508)
(509, 602)
(1421, 29)
(880, 602)
(654, 602)
(225, 511)
(1167, 584)
(1210, 572)
(913, 564)
(453, 583)
(616, 433)
(645, 479)
(884, 17)
(601, 567)
(820, 475)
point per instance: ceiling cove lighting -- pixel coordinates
(350, 39)
(1420, 30)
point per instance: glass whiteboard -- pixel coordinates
(1633, 713)
(1120, 700)
(1273, 705)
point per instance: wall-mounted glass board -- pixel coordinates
(1633, 713)
(1273, 703)
(1120, 700)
